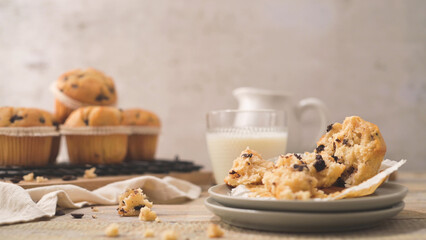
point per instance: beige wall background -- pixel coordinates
(184, 58)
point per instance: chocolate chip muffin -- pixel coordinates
(143, 142)
(95, 135)
(83, 88)
(358, 145)
(131, 201)
(25, 136)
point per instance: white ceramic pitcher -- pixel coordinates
(253, 98)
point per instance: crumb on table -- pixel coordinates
(90, 173)
(112, 230)
(40, 179)
(214, 231)
(29, 177)
(169, 235)
(146, 214)
(148, 233)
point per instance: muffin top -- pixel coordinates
(25, 117)
(140, 117)
(94, 116)
(88, 86)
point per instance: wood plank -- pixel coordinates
(199, 178)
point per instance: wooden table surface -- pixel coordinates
(191, 220)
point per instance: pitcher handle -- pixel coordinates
(320, 107)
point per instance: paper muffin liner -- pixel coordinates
(96, 145)
(142, 143)
(97, 149)
(365, 188)
(369, 186)
(64, 99)
(29, 131)
(26, 146)
(102, 130)
(145, 130)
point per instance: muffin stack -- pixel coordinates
(95, 131)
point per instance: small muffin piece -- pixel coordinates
(88, 86)
(169, 235)
(248, 168)
(90, 173)
(29, 177)
(112, 230)
(131, 202)
(357, 144)
(141, 146)
(84, 148)
(146, 214)
(149, 233)
(214, 231)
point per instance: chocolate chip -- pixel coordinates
(74, 85)
(350, 170)
(335, 158)
(59, 212)
(329, 127)
(345, 142)
(377, 134)
(339, 182)
(77, 215)
(337, 140)
(232, 172)
(41, 119)
(124, 203)
(299, 167)
(69, 177)
(15, 118)
(86, 121)
(15, 180)
(137, 208)
(298, 156)
(248, 163)
(319, 163)
(245, 155)
(101, 97)
(111, 89)
(371, 137)
(320, 148)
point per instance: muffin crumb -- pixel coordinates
(112, 230)
(40, 179)
(94, 216)
(214, 231)
(29, 177)
(148, 233)
(169, 235)
(95, 209)
(147, 215)
(90, 173)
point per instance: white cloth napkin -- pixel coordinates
(20, 205)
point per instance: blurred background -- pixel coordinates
(182, 59)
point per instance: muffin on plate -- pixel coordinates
(25, 136)
(78, 88)
(94, 135)
(145, 127)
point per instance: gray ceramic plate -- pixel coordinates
(385, 196)
(301, 221)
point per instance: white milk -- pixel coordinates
(224, 147)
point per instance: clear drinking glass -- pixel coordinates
(229, 132)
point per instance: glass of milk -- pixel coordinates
(229, 132)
